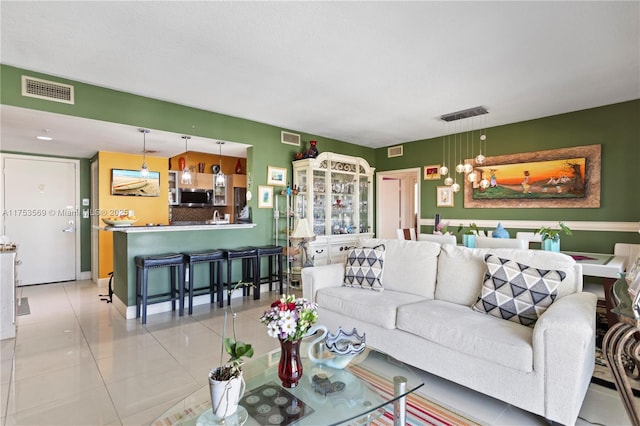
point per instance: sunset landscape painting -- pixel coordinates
(552, 179)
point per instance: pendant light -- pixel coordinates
(467, 167)
(443, 169)
(448, 181)
(186, 174)
(220, 177)
(144, 170)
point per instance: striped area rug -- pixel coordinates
(420, 410)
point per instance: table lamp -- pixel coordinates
(304, 234)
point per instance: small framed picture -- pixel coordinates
(432, 172)
(265, 197)
(444, 196)
(276, 176)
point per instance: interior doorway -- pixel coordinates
(397, 201)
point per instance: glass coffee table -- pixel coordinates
(324, 396)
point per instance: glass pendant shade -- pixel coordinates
(444, 170)
(220, 177)
(460, 168)
(144, 170)
(467, 168)
(185, 178)
(480, 159)
(484, 183)
(455, 187)
(471, 177)
(448, 181)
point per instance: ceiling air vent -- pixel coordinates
(289, 138)
(395, 151)
(49, 90)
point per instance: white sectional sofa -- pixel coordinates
(423, 317)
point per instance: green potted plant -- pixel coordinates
(551, 236)
(225, 381)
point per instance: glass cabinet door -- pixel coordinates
(363, 207)
(300, 201)
(343, 198)
(319, 202)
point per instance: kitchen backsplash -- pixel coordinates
(182, 214)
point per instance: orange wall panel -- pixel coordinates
(147, 209)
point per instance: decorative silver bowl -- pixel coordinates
(340, 347)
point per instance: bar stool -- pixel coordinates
(249, 256)
(272, 253)
(215, 259)
(143, 263)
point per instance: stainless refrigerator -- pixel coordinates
(242, 212)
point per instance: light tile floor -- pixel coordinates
(77, 361)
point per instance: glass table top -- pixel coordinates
(361, 390)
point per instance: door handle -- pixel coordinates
(70, 228)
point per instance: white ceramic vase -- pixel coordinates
(226, 395)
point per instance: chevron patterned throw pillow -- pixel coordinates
(365, 267)
(517, 292)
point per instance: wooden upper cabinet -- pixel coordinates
(198, 180)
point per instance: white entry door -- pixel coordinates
(40, 216)
(389, 210)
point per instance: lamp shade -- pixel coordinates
(302, 230)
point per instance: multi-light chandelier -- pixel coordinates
(464, 167)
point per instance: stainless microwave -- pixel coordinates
(193, 197)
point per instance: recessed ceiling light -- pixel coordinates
(44, 136)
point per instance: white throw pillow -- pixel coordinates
(364, 267)
(517, 292)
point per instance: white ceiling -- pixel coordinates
(370, 73)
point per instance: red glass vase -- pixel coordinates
(290, 366)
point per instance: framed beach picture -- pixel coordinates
(276, 176)
(265, 197)
(432, 172)
(131, 182)
(444, 196)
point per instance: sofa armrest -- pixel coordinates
(564, 345)
(317, 277)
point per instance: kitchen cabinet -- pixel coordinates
(236, 181)
(198, 181)
(220, 191)
(335, 194)
(174, 194)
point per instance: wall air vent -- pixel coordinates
(290, 138)
(49, 90)
(395, 151)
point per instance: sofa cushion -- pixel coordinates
(461, 270)
(365, 267)
(370, 306)
(462, 329)
(409, 266)
(515, 291)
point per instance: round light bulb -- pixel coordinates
(480, 159)
(460, 168)
(472, 177)
(484, 183)
(455, 187)
(444, 170)
(448, 181)
(144, 170)
(483, 137)
(467, 168)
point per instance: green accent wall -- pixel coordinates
(103, 104)
(615, 127)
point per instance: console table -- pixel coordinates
(606, 266)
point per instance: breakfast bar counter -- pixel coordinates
(132, 241)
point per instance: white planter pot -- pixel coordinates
(226, 395)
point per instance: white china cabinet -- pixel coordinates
(335, 196)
